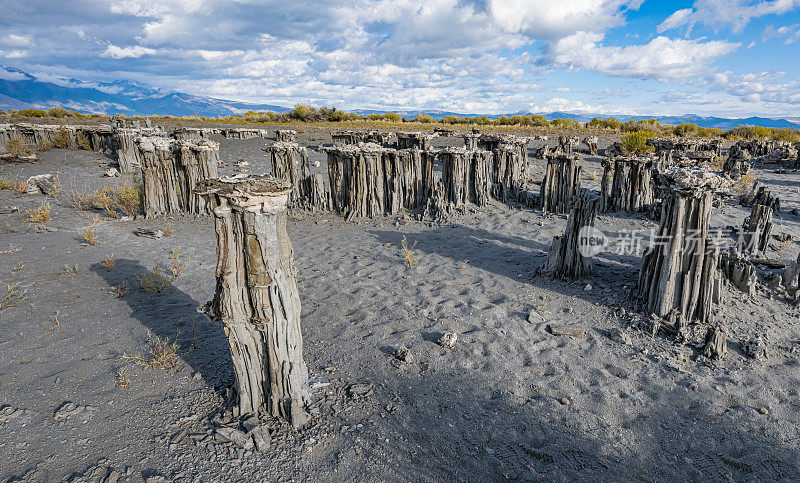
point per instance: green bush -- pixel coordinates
(423, 118)
(564, 123)
(32, 113)
(540, 121)
(636, 142)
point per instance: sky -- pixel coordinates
(731, 58)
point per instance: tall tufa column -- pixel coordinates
(170, 171)
(256, 298)
(680, 275)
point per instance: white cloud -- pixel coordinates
(730, 14)
(546, 19)
(661, 59)
(758, 87)
(677, 19)
(16, 41)
(135, 51)
(789, 33)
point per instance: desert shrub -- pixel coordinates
(481, 120)
(45, 145)
(11, 296)
(643, 125)
(17, 147)
(636, 142)
(32, 113)
(89, 235)
(685, 130)
(62, 138)
(82, 141)
(60, 112)
(564, 123)
(540, 121)
(409, 256)
(609, 123)
(302, 112)
(162, 353)
(423, 118)
(785, 134)
(40, 214)
(393, 117)
(520, 120)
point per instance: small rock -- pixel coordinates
(403, 355)
(112, 172)
(763, 410)
(7, 210)
(149, 233)
(448, 340)
(239, 438)
(197, 376)
(588, 287)
(755, 348)
(315, 164)
(564, 401)
(359, 390)
(261, 438)
(42, 184)
(618, 335)
(534, 316)
(571, 330)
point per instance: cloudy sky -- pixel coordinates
(709, 57)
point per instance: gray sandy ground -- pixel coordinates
(509, 401)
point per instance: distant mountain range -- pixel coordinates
(20, 90)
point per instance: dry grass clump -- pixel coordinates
(14, 183)
(119, 291)
(157, 280)
(17, 148)
(12, 297)
(40, 214)
(122, 378)
(45, 145)
(109, 262)
(539, 304)
(54, 319)
(62, 139)
(162, 353)
(89, 233)
(82, 141)
(408, 253)
(114, 201)
(743, 184)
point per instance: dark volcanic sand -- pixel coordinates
(509, 401)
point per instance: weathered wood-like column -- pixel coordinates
(508, 174)
(286, 158)
(565, 259)
(591, 143)
(471, 140)
(679, 272)
(414, 140)
(568, 143)
(562, 181)
(256, 298)
(756, 230)
(627, 184)
(170, 171)
(286, 135)
(466, 176)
